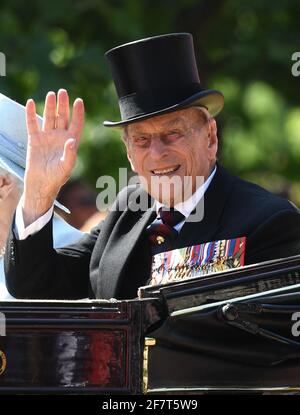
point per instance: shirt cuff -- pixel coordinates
(19, 228)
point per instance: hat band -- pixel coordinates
(156, 99)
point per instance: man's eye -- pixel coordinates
(173, 135)
(141, 140)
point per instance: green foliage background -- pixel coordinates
(243, 48)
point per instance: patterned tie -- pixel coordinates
(161, 232)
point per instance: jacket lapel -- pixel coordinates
(126, 234)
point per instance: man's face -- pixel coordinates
(182, 144)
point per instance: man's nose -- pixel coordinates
(158, 148)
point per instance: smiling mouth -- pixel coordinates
(165, 171)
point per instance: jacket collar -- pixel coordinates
(127, 234)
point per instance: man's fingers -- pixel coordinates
(77, 121)
(31, 119)
(49, 114)
(63, 112)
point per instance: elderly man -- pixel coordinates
(169, 132)
(13, 143)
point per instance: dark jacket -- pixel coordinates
(114, 259)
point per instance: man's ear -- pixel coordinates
(213, 135)
(213, 126)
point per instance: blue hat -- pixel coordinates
(13, 139)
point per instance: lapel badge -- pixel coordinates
(160, 239)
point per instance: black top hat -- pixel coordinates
(157, 75)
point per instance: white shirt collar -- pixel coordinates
(187, 207)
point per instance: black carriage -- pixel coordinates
(236, 331)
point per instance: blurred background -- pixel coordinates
(243, 48)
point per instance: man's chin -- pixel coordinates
(169, 191)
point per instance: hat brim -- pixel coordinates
(19, 173)
(211, 99)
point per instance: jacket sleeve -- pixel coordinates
(277, 237)
(35, 270)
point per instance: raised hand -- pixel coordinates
(51, 152)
